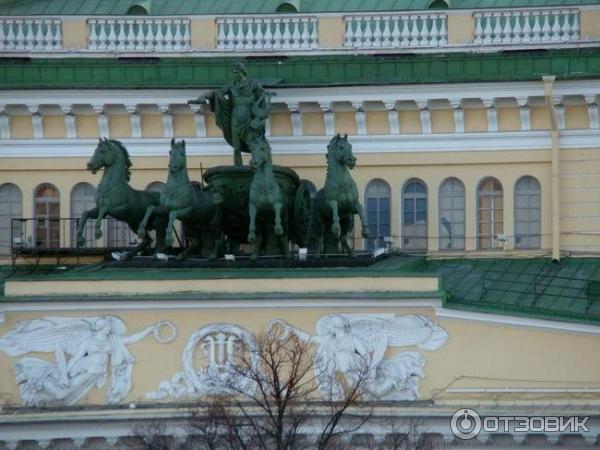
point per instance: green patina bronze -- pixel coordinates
(336, 204)
(198, 209)
(115, 198)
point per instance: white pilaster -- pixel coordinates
(492, 114)
(199, 119)
(392, 117)
(559, 108)
(36, 121)
(70, 125)
(524, 113)
(136, 121)
(360, 117)
(425, 114)
(167, 120)
(328, 118)
(4, 123)
(592, 105)
(268, 127)
(103, 130)
(459, 115)
(296, 116)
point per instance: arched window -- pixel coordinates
(528, 209)
(82, 200)
(439, 4)
(47, 216)
(414, 215)
(139, 9)
(290, 7)
(452, 215)
(11, 207)
(377, 204)
(490, 213)
(156, 186)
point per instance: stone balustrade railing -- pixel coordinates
(267, 33)
(138, 34)
(30, 34)
(526, 26)
(396, 30)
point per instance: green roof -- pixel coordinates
(170, 7)
(529, 287)
(299, 71)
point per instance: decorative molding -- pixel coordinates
(215, 346)
(83, 349)
(349, 343)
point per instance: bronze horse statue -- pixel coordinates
(115, 198)
(198, 209)
(335, 205)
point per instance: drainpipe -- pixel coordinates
(548, 90)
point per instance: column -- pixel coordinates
(425, 114)
(360, 117)
(167, 120)
(559, 108)
(199, 120)
(36, 121)
(392, 117)
(4, 123)
(328, 118)
(592, 105)
(523, 103)
(103, 130)
(70, 125)
(136, 123)
(296, 116)
(492, 114)
(268, 127)
(459, 115)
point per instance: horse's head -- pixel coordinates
(260, 153)
(340, 151)
(105, 155)
(177, 159)
(109, 152)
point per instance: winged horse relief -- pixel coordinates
(345, 343)
(83, 348)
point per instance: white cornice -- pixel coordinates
(301, 145)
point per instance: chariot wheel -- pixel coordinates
(302, 214)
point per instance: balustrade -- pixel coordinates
(30, 34)
(139, 34)
(267, 33)
(396, 30)
(526, 26)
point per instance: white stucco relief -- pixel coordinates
(345, 343)
(84, 350)
(208, 360)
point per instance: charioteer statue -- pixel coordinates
(241, 110)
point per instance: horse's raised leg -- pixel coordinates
(252, 227)
(278, 227)
(102, 212)
(335, 227)
(173, 216)
(358, 209)
(141, 231)
(90, 214)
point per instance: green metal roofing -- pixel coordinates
(170, 7)
(529, 287)
(298, 71)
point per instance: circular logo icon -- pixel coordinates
(465, 424)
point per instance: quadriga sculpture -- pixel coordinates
(198, 209)
(265, 200)
(336, 204)
(115, 198)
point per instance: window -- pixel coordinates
(11, 207)
(438, 4)
(490, 213)
(528, 226)
(452, 215)
(47, 216)
(82, 200)
(288, 7)
(377, 203)
(414, 215)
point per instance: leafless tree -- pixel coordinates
(285, 404)
(408, 435)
